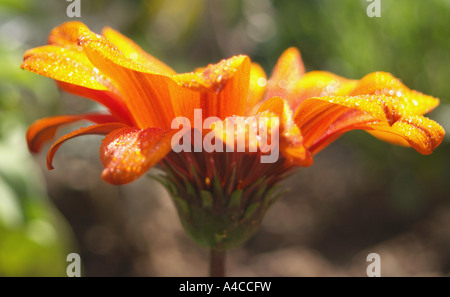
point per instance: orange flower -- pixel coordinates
(143, 96)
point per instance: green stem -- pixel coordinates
(217, 263)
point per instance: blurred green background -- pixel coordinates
(360, 196)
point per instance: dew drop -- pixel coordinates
(283, 84)
(262, 82)
(134, 56)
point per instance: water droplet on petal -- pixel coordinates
(262, 82)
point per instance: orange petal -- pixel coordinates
(76, 74)
(258, 83)
(101, 129)
(291, 139)
(290, 82)
(324, 119)
(66, 35)
(145, 93)
(422, 134)
(286, 74)
(62, 64)
(406, 101)
(243, 134)
(315, 115)
(319, 84)
(134, 52)
(340, 120)
(219, 90)
(128, 153)
(45, 129)
(106, 98)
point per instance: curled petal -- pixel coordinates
(324, 119)
(101, 129)
(128, 153)
(404, 100)
(45, 129)
(421, 133)
(66, 35)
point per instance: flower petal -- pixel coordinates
(258, 83)
(422, 134)
(406, 101)
(101, 129)
(134, 52)
(289, 81)
(128, 153)
(62, 64)
(324, 119)
(291, 139)
(145, 93)
(76, 74)
(219, 90)
(45, 129)
(136, 79)
(105, 98)
(66, 35)
(319, 84)
(285, 75)
(315, 115)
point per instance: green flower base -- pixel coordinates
(213, 218)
